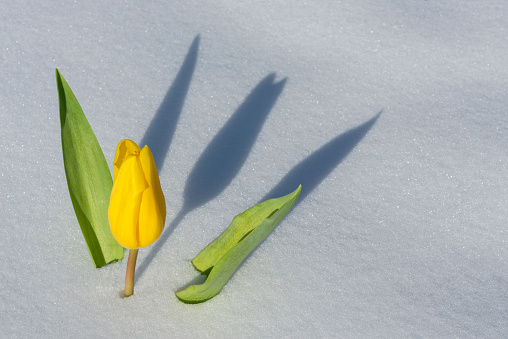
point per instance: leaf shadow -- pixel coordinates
(162, 128)
(312, 170)
(224, 156)
(197, 280)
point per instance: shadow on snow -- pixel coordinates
(222, 159)
(160, 132)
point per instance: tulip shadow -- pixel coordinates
(224, 156)
(160, 132)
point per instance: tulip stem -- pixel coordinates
(129, 274)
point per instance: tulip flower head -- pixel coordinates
(137, 208)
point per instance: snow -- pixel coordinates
(392, 114)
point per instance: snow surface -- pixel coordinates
(400, 230)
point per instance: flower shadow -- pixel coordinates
(225, 155)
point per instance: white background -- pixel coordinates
(400, 230)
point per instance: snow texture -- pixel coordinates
(391, 114)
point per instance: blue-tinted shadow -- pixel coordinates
(160, 132)
(225, 155)
(311, 171)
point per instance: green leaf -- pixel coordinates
(223, 256)
(88, 177)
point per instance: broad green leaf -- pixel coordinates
(88, 177)
(222, 257)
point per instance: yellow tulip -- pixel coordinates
(137, 208)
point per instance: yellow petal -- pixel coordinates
(152, 212)
(150, 220)
(152, 177)
(125, 148)
(125, 201)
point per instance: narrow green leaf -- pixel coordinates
(223, 256)
(88, 177)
